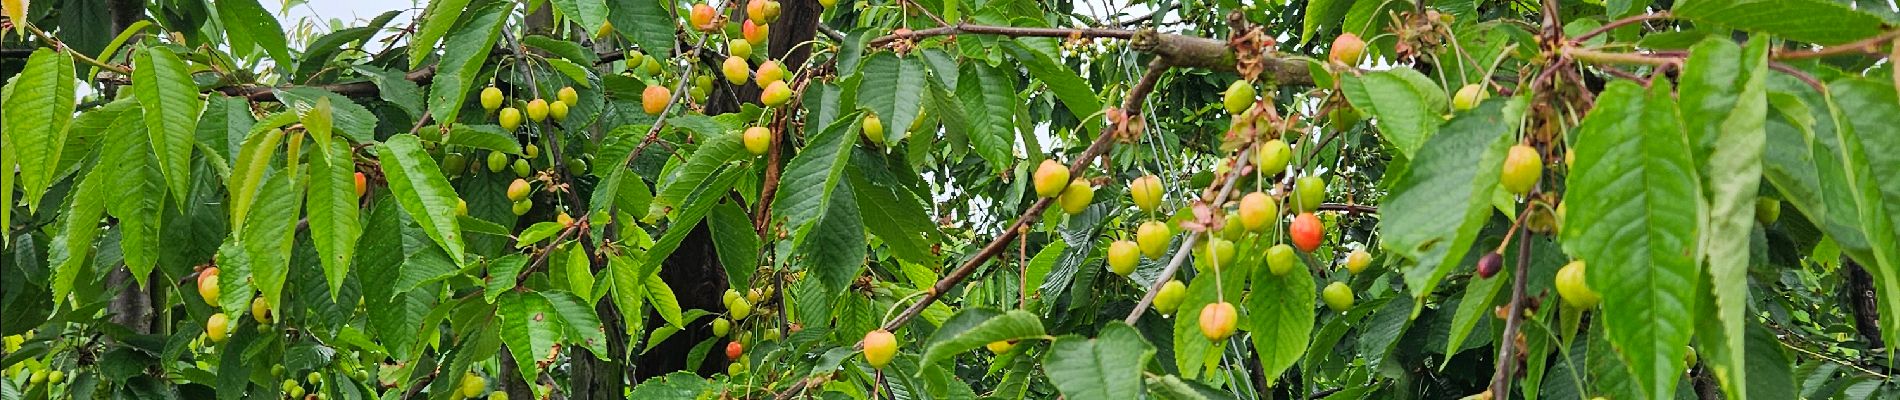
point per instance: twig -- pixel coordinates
(1620, 23)
(1507, 359)
(1798, 74)
(1352, 208)
(1869, 45)
(1102, 143)
(679, 93)
(269, 93)
(1595, 56)
(1010, 31)
(1180, 257)
(996, 246)
(57, 44)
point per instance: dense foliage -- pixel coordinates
(952, 199)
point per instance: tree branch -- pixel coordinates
(1620, 23)
(1177, 50)
(1102, 143)
(1869, 45)
(352, 89)
(1507, 358)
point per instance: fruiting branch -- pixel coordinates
(1101, 145)
(1507, 358)
(1180, 256)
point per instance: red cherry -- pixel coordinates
(1306, 231)
(734, 350)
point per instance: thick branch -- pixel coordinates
(1177, 50)
(1010, 31)
(353, 89)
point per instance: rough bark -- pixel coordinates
(1860, 299)
(132, 306)
(693, 270)
(698, 281)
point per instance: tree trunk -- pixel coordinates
(698, 281)
(1860, 299)
(693, 270)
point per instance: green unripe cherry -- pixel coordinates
(1337, 296)
(1309, 191)
(1123, 255)
(1239, 97)
(1281, 259)
(1170, 297)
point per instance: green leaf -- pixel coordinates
(1725, 105)
(1441, 200)
(579, 74)
(486, 137)
(247, 24)
(530, 328)
(1770, 369)
(419, 187)
(1044, 262)
(1106, 367)
(697, 205)
(1281, 308)
(661, 297)
(805, 191)
(566, 50)
(38, 105)
(577, 268)
(334, 225)
(268, 235)
(138, 191)
(1632, 216)
(435, 22)
(582, 325)
(1803, 161)
(79, 227)
(162, 84)
(736, 242)
(898, 95)
(1193, 353)
(591, 14)
(713, 154)
(892, 213)
(1479, 296)
(316, 122)
(318, 54)
(1075, 93)
(347, 117)
(1817, 21)
(463, 52)
(247, 173)
(393, 87)
(1321, 13)
(1404, 103)
(834, 250)
(628, 290)
(636, 21)
(989, 100)
(975, 327)
(1865, 152)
